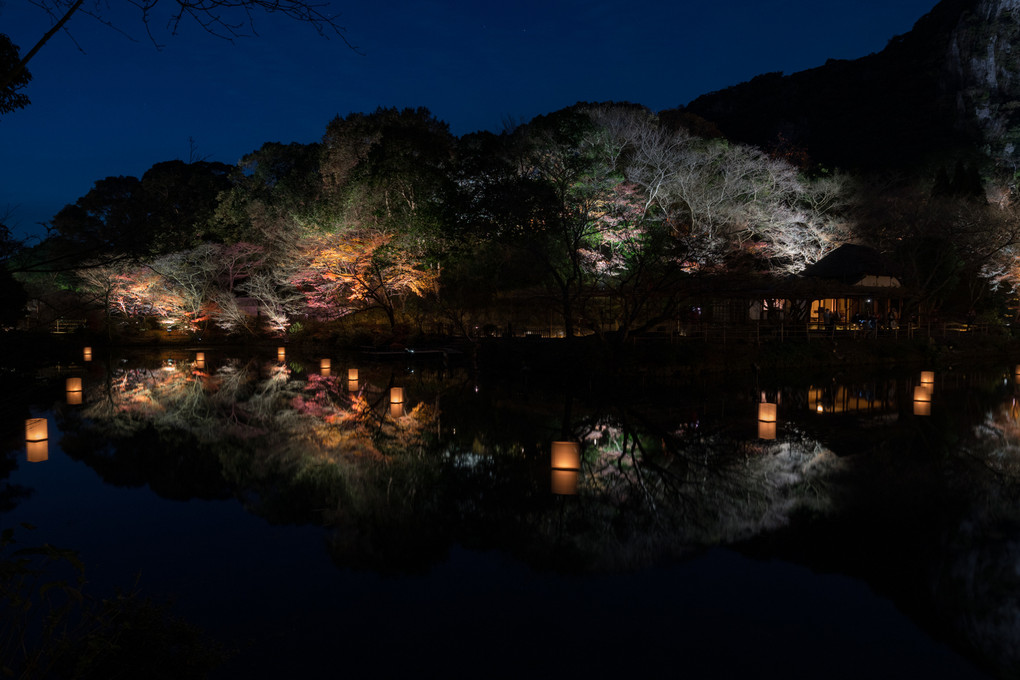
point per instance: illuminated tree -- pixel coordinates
(356, 271)
(718, 197)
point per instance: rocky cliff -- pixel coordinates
(948, 89)
(983, 66)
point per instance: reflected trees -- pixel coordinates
(299, 446)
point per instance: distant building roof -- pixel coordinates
(856, 266)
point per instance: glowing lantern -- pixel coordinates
(74, 391)
(564, 482)
(87, 354)
(397, 410)
(928, 380)
(922, 401)
(200, 360)
(396, 395)
(36, 430)
(566, 467)
(36, 440)
(766, 420)
(566, 456)
(352, 374)
(281, 353)
(324, 366)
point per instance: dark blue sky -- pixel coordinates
(123, 105)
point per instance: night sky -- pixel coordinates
(118, 105)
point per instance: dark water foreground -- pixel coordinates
(311, 524)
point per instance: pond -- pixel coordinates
(408, 514)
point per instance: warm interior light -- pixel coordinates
(87, 353)
(767, 412)
(922, 393)
(927, 377)
(281, 353)
(396, 395)
(566, 455)
(352, 374)
(324, 367)
(565, 482)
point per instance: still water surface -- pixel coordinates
(312, 525)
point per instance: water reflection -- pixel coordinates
(584, 481)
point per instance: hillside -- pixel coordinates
(949, 88)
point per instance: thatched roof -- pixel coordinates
(852, 264)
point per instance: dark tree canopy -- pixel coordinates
(11, 98)
(168, 209)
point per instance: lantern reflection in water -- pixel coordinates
(74, 392)
(922, 401)
(87, 354)
(324, 367)
(565, 482)
(766, 421)
(566, 468)
(36, 440)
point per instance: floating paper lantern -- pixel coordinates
(927, 377)
(922, 401)
(766, 420)
(200, 360)
(566, 455)
(324, 366)
(565, 482)
(87, 354)
(36, 430)
(396, 395)
(566, 468)
(36, 440)
(74, 392)
(281, 353)
(352, 374)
